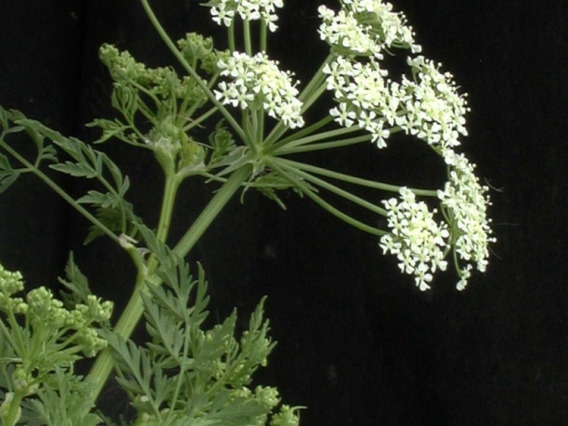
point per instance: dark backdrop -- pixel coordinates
(358, 344)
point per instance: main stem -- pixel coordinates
(134, 309)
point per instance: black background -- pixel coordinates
(358, 343)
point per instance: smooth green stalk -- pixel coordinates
(332, 188)
(325, 205)
(171, 186)
(200, 119)
(255, 126)
(14, 410)
(7, 334)
(323, 136)
(260, 126)
(59, 191)
(246, 34)
(313, 97)
(302, 133)
(355, 180)
(263, 35)
(324, 145)
(173, 48)
(316, 79)
(249, 129)
(212, 209)
(231, 36)
(134, 309)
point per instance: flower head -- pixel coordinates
(434, 111)
(416, 238)
(365, 28)
(364, 95)
(224, 11)
(466, 201)
(256, 81)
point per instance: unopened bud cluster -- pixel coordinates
(49, 318)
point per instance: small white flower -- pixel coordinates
(467, 202)
(416, 239)
(433, 110)
(365, 96)
(257, 80)
(464, 274)
(343, 115)
(223, 12)
(365, 28)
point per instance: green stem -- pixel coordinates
(211, 211)
(260, 126)
(332, 188)
(124, 327)
(59, 191)
(248, 43)
(171, 186)
(231, 36)
(313, 97)
(317, 78)
(134, 309)
(171, 45)
(325, 205)
(14, 410)
(323, 146)
(302, 133)
(355, 180)
(200, 119)
(263, 35)
(322, 136)
(7, 334)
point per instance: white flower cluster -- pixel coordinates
(343, 30)
(428, 107)
(416, 238)
(365, 28)
(434, 111)
(364, 96)
(224, 11)
(467, 202)
(257, 81)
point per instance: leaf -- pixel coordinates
(125, 99)
(221, 141)
(62, 400)
(132, 362)
(111, 129)
(104, 200)
(76, 282)
(7, 175)
(112, 218)
(75, 169)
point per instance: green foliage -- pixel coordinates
(221, 141)
(40, 340)
(188, 373)
(111, 208)
(63, 400)
(11, 122)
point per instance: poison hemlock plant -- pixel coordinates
(189, 373)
